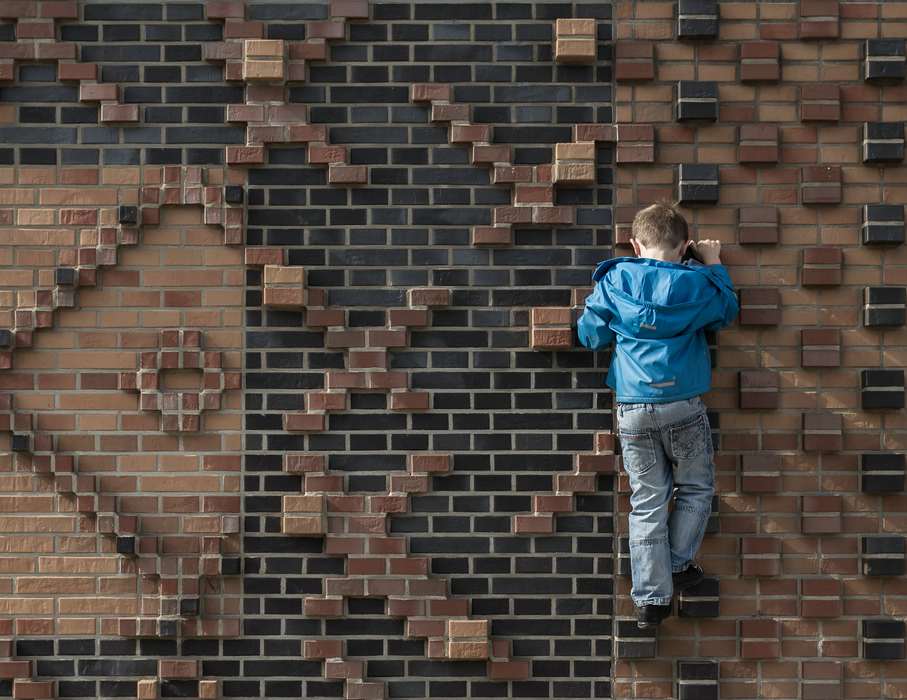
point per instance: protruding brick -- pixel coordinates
(575, 41)
(697, 183)
(551, 339)
(697, 678)
(178, 668)
(760, 61)
(883, 224)
(220, 9)
(264, 71)
(420, 463)
(757, 225)
(819, 19)
(428, 296)
(635, 643)
(427, 92)
(884, 306)
(759, 306)
(147, 689)
(245, 155)
(883, 142)
(304, 422)
(349, 9)
(697, 19)
(209, 689)
(883, 639)
(347, 174)
(697, 100)
(758, 389)
(78, 71)
(884, 60)
(882, 472)
(32, 690)
(882, 389)
(119, 113)
(492, 236)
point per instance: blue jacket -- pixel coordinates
(658, 312)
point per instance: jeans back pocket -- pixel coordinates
(638, 450)
(690, 438)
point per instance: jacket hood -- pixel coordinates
(654, 298)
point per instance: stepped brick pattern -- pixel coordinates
(291, 398)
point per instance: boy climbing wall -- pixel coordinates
(657, 309)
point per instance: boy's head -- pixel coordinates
(659, 231)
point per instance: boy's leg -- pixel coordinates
(649, 475)
(694, 478)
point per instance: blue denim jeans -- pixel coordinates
(665, 446)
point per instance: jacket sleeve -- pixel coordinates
(592, 327)
(723, 308)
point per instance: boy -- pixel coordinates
(658, 309)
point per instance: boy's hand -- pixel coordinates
(710, 251)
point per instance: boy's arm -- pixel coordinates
(723, 308)
(592, 327)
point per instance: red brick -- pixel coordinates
(119, 113)
(351, 9)
(78, 71)
(59, 9)
(219, 9)
(97, 92)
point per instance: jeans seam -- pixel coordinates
(649, 541)
(690, 509)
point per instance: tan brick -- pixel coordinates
(264, 48)
(277, 274)
(575, 50)
(304, 504)
(147, 689)
(263, 70)
(575, 151)
(303, 525)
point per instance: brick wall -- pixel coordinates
(388, 470)
(778, 125)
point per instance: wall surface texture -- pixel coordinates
(290, 394)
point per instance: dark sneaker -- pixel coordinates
(687, 578)
(651, 615)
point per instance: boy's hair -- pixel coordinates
(660, 226)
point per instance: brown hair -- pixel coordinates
(660, 226)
